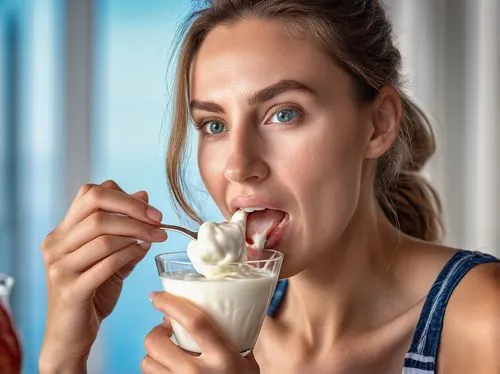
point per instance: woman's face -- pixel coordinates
(279, 129)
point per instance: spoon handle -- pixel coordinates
(179, 229)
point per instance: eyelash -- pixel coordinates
(282, 107)
(201, 125)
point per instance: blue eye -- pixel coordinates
(284, 115)
(215, 127)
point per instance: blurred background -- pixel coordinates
(84, 94)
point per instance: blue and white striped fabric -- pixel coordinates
(422, 355)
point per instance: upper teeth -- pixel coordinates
(250, 210)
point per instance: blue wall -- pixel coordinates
(133, 41)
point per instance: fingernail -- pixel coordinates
(154, 214)
(152, 296)
(158, 234)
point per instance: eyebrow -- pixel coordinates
(260, 96)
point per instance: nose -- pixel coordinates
(245, 162)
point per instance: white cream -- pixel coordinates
(259, 238)
(259, 241)
(221, 244)
(238, 306)
(218, 245)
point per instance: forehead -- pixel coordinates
(242, 57)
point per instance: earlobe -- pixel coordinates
(386, 117)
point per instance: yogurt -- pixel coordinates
(237, 304)
(218, 245)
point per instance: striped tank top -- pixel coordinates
(421, 358)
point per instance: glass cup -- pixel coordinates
(237, 302)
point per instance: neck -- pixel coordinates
(350, 291)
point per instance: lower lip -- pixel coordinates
(277, 234)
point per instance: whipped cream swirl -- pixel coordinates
(219, 246)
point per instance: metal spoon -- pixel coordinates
(180, 229)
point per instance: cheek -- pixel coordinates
(211, 165)
(326, 167)
(328, 156)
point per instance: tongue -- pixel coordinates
(262, 222)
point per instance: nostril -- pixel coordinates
(250, 170)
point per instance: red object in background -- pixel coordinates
(10, 348)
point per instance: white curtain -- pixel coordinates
(451, 51)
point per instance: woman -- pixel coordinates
(299, 110)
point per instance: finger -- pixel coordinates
(101, 223)
(204, 331)
(111, 184)
(99, 198)
(142, 195)
(125, 271)
(82, 191)
(104, 269)
(150, 366)
(168, 325)
(96, 250)
(160, 348)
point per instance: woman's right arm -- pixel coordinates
(104, 234)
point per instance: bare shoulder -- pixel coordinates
(470, 337)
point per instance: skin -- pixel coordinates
(351, 306)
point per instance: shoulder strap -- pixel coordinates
(424, 347)
(278, 296)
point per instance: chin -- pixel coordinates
(290, 268)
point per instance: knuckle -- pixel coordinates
(97, 220)
(47, 255)
(151, 340)
(148, 343)
(49, 239)
(110, 183)
(105, 242)
(95, 195)
(85, 188)
(46, 246)
(55, 272)
(113, 263)
(145, 364)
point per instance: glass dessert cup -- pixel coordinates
(237, 301)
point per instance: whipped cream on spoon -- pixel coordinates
(194, 234)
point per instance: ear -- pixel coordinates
(385, 118)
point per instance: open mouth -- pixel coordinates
(265, 227)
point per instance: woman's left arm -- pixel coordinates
(164, 356)
(470, 340)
